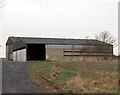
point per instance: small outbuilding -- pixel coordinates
(30, 48)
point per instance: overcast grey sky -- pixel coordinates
(58, 19)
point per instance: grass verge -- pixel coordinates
(69, 77)
(54, 75)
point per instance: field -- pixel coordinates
(71, 77)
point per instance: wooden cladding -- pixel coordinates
(69, 51)
(86, 53)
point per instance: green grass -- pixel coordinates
(58, 76)
(51, 60)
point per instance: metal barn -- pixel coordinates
(29, 48)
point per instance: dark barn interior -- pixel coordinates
(35, 52)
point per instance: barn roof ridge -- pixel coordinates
(52, 38)
(58, 40)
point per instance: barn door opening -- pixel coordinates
(35, 52)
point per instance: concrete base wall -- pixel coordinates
(54, 54)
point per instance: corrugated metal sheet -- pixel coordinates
(77, 47)
(21, 55)
(14, 56)
(58, 41)
(18, 55)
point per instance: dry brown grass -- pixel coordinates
(88, 59)
(94, 81)
(76, 84)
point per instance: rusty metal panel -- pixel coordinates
(11, 56)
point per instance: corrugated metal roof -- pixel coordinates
(14, 38)
(33, 40)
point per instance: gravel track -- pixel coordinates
(16, 79)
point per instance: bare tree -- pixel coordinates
(107, 39)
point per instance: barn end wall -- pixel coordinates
(9, 52)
